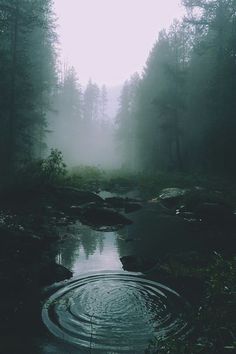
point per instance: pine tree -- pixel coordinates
(27, 68)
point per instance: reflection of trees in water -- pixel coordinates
(91, 240)
(78, 237)
(68, 251)
(101, 242)
(124, 247)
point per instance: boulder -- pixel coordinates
(127, 204)
(96, 216)
(134, 263)
(187, 215)
(73, 196)
(131, 207)
(116, 202)
(51, 273)
(74, 210)
(171, 197)
(216, 212)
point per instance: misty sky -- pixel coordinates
(108, 40)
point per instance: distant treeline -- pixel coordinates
(79, 124)
(181, 114)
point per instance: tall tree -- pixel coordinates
(186, 100)
(91, 102)
(161, 101)
(27, 67)
(214, 65)
(66, 122)
(126, 121)
(103, 103)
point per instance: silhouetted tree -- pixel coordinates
(27, 69)
(185, 103)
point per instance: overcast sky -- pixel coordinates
(109, 40)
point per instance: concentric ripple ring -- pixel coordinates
(115, 312)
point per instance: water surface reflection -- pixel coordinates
(83, 250)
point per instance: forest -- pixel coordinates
(143, 198)
(178, 116)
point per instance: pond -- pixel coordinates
(105, 308)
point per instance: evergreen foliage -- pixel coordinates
(27, 70)
(184, 106)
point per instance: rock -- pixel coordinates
(74, 210)
(96, 216)
(214, 212)
(199, 188)
(73, 196)
(53, 272)
(187, 215)
(137, 263)
(171, 197)
(116, 202)
(131, 207)
(127, 204)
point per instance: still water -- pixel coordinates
(84, 250)
(105, 309)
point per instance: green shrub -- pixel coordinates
(53, 169)
(86, 177)
(50, 170)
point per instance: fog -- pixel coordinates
(83, 125)
(109, 40)
(101, 44)
(87, 145)
(143, 90)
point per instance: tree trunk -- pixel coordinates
(12, 108)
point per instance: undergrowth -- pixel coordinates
(214, 323)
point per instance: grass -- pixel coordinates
(149, 185)
(213, 320)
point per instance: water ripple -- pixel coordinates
(119, 312)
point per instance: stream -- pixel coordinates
(104, 308)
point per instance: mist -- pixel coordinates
(85, 119)
(117, 155)
(83, 124)
(149, 121)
